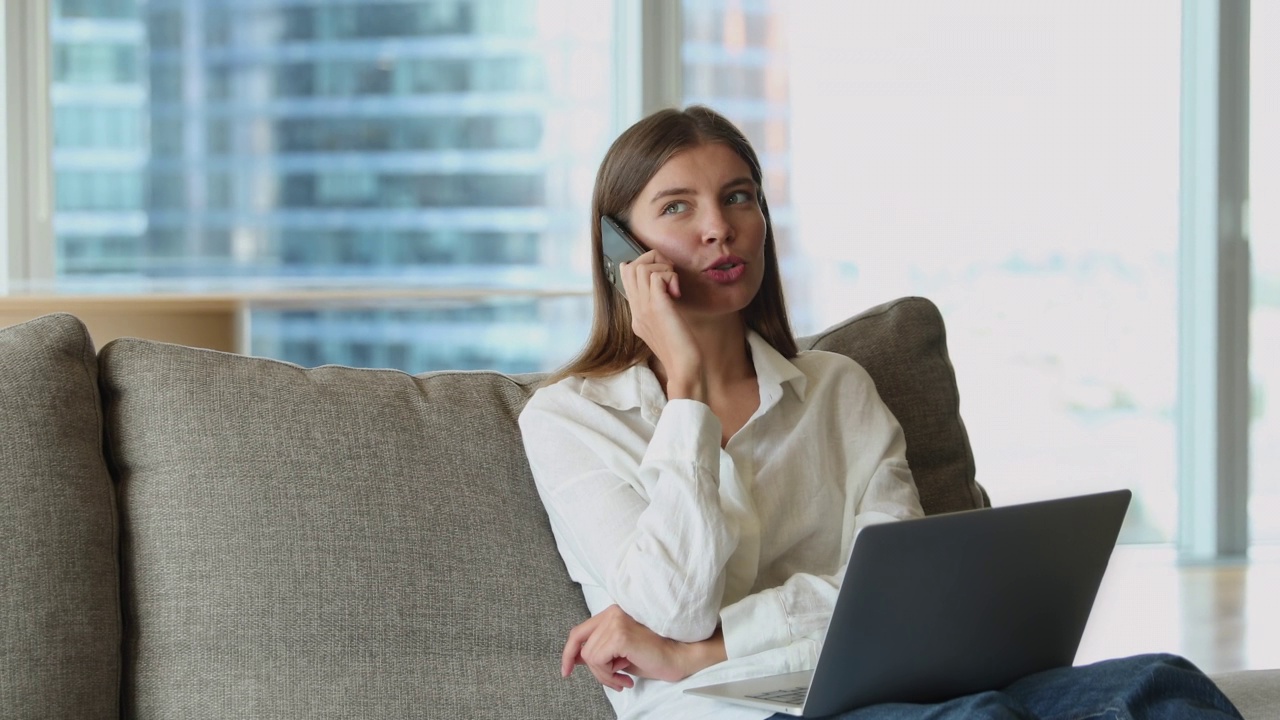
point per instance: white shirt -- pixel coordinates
(650, 513)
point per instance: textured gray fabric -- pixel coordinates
(59, 604)
(332, 543)
(903, 345)
(1255, 693)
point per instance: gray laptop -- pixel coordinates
(950, 605)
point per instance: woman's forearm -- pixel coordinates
(703, 654)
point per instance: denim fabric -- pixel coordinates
(1144, 687)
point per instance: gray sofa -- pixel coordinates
(194, 534)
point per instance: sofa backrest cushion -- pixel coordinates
(59, 602)
(903, 346)
(332, 542)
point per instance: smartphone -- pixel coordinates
(619, 247)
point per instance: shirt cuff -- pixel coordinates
(686, 430)
(754, 624)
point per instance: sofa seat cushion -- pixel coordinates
(332, 542)
(59, 600)
(1255, 693)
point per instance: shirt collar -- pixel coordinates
(774, 370)
(638, 387)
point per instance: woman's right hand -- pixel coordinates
(614, 647)
(653, 292)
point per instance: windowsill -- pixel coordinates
(213, 313)
(272, 291)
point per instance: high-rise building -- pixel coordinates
(429, 144)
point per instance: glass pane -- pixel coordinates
(1018, 165)
(433, 143)
(1264, 183)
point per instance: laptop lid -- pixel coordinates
(950, 605)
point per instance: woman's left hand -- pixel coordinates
(612, 642)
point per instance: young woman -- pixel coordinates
(704, 480)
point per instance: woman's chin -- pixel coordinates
(723, 309)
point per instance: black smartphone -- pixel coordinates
(619, 247)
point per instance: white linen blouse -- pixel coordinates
(650, 513)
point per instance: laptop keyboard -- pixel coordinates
(791, 696)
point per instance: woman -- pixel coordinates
(704, 480)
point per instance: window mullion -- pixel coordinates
(662, 67)
(1213, 392)
(648, 64)
(27, 127)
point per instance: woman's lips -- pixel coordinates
(726, 270)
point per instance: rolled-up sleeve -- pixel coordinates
(655, 538)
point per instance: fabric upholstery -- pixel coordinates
(332, 543)
(903, 345)
(59, 603)
(1255, 693)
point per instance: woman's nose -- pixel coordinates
(716, 227)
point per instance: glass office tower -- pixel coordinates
(427, 144)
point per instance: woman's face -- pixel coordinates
(702, 211)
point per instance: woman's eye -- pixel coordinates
(739, 197)
(675, 207)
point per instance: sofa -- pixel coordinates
(195, 534)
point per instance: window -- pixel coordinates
(428, 144)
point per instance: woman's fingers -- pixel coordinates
(637, 279)
(603, 664)
(570, 657)
(661, 282)
(600, 661)
(605, 661)
(572, 654)
(598, 645)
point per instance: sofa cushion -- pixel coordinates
(903, 345)
(332, 543)
(59, 602)
(1255, 693)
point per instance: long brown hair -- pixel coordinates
(631, 162)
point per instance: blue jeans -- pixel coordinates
(1159, 687)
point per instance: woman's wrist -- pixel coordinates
(687, 382)
(703, 654)
(687, 390)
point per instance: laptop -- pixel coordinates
(949, 605)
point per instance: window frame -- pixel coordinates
(1213, 283)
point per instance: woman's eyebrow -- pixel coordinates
(744, 180)
(670, 191)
